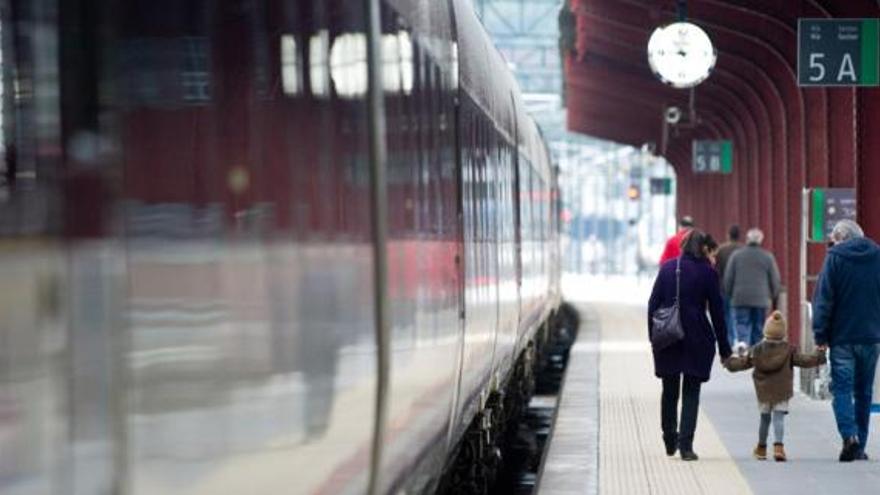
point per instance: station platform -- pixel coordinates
(606, 438)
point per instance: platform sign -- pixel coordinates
(831, 205)
(838, 52)
(713, 156)
(661, 186)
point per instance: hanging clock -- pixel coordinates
(681, 54)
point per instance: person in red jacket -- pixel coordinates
(673, 245)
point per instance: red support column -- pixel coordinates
(868, 183)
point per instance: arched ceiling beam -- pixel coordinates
(735, 41)
(601, 27)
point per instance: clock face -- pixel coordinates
(681, 54)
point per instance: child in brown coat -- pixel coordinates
(773, 360)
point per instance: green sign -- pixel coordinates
(661, 186)
(831, 205)
(713, 156)
(838, 52)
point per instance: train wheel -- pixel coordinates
(479, 458)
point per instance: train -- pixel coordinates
(266, 246)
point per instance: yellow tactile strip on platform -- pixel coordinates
(632, 459)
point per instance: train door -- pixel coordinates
(506, 289)
(517, 216)
(34, 353)
(458, 182)
(61, 270)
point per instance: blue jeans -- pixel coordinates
(749, 324)
(730, 321)
(852, 384)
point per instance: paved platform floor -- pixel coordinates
(607, 436)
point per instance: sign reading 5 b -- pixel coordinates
(838, 52)
(712, 156)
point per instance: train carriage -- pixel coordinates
(195, 219)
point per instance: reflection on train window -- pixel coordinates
(195, 76)
(348, 65)
(259, 38)
(163, 71)
(399, 68)
(5, 178)
(318, 59)
(291, 81)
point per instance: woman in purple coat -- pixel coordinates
(685, 365)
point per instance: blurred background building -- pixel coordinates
(607, 188)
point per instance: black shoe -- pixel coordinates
(850, 449)
(689, 455)
(862, 456)
(671, 443)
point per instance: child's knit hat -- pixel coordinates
(775, 327)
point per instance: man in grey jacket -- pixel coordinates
(751, 280)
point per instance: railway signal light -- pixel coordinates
(633, 192)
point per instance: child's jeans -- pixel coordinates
(778, 418)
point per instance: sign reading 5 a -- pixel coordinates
(838, 52)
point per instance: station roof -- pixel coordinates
(612, 93)
(787, 139)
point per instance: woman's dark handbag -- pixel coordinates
(666, 322)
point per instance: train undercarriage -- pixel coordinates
(498, 443)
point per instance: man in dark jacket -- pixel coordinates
(724, 253)
(846, 317)
(751, 280)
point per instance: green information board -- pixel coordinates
(713, 157)
(838, 52)
(661, 186)
(829, 206)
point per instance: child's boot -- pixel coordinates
(760, 452)
(779, 452)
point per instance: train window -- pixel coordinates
(512, 190)
(493, 184)
(537, 194)
(291, 76)
(482, 196)
(487, 184)
(435, 145)
(472, 157)
(423, 152)
(475, 184)
(530, 200)
(503, 212)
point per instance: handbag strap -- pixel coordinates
(677, 279)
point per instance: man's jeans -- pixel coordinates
(730, 321)
(749, 324)
(852, 384)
